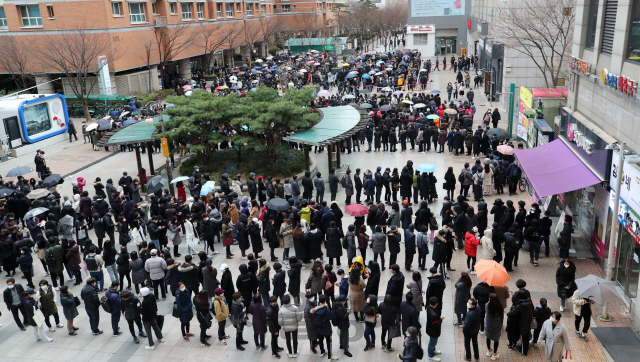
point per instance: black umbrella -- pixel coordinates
(19, 171)
(156, 183)
(502, 134)
(278, 205)
(52, 180)
(385, 108)
(6, 192)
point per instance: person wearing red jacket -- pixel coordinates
(471, 248)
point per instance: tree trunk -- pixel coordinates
(85, 107)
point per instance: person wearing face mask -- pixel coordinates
(565, 279)
(47, 298)
(25, 261)
(69, 308)
(555, 338)
(312, 333)
(184, 305)
(12, 298)
(31, 307)
(471, 329)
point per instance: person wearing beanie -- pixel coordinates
(30, 307)
(221, 311)
(150, 317)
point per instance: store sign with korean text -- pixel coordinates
(579, 138)
(630, 188)
(622, 84)
(580, 66)
(422, 29)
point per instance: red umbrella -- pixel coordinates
(356, 210)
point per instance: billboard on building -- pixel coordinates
(437, 7)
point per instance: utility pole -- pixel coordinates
(168, 166)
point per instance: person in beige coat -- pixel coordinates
(487, 245)
(555, 338)
(582, 308)
(356, 291)
(286, 229)
(487, 180)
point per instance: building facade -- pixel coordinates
(438, 28)
(605, 69)
(246, 25)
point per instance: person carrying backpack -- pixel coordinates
(54, 257)
(321, 317)
(94, 266)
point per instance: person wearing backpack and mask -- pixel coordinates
(94, 266)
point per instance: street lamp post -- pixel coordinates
(168, 167)
(614, 228)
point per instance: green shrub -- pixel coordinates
(210, 77)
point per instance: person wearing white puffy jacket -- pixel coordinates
(488, 251)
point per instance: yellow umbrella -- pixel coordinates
(345, 64)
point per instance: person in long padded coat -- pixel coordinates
(264, 281)
(555, 337)
(69, 308)
(356, 291)
(299, 242)
(254, 235)
(314, 242)
(312, 333)
(294, 272)
(462, 296)
(138, 275)
(493, 323)
(415, 287)
(185, 306)
(210, 279)
(373, 281)
(257, 310)
(226, 282)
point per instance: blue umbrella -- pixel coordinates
(178, 179)
(129, 121)
(207, 187)
(278, 71)
(375, 70)
(274, 67)
(234, 87)
(352, 62)
(256, 67)
(403, 63)
(349, 96)
(435, 91)
(366, 76)
(425, 167)
(349, 76)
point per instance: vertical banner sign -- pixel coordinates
(165, 147)
(105, 78)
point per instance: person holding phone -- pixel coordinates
(342, 316)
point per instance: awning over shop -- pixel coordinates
(336, 123)
(554, 168)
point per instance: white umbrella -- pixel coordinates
(599, 290)
(407, 101)
(258, 60)
(386, 89)
(419, 105)
(324, 93)
(91, 127)
(303, 70)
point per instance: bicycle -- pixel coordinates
(523, 186)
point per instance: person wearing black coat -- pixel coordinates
(189, 272)
(109, 227)
(498, 210)
(565, 281)
(409, 314)
(307, 185)
(251, 186)
(481, 293)
(14, 305)
(522, 315)
(389, 316)
(395, 286)
(393, 241)
(564, 241)
(89, 295)
(511, 246)
(246, 282)
(424, 185)
(450, 182)
(459, 224)
(434, 325)
(436, 286)
(123, 267)
(509, 215)
(279, 282)
(333, 183)
(341, 314)
(495, 118)
(333, 245)
(226, 282)
(423, 215)
(471, 328)
(294, 272)
(357, 183)
(405, 215)
(497, 237)
(315, 237)
(406, 183)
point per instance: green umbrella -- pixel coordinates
(366, 105)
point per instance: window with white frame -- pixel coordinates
(239, 7)
(50, 11)
(218, 10)
(116, 8)
(30, 15)
(200, 10)
(186, 11)
(154, 8)
(136, 13)
(286, 8)
(250, 9)
(172, 8)
(263, 9)
(3, 18)
(229, 10)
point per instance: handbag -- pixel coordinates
(82, 234)
(160, 320)
(394, 330)
(76, 301)
(328, 285)
(534, 322)
(370, 318)
(228, 241)
(170, 235)
(176, 312)
(38, 317)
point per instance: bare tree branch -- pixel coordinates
(15, 58)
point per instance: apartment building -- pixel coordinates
(130, 24)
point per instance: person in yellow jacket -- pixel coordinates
(305, 214)
(222, 312)
(358, 262)
(400, 82)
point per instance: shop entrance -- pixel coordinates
(446, 45)
(627, 264)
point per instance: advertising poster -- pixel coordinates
(526, 97)
(531, 137)
(522, 130)
(437, 7)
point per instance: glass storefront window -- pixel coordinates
(583, 209)
(592, 18)
(633, 40)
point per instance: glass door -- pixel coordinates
(628, 265)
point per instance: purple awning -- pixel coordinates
(554, 168)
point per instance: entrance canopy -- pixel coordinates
(336, 124)
(138, 132)
(554, 168)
